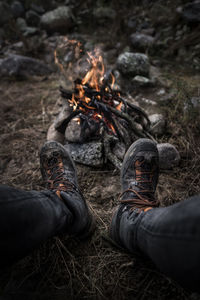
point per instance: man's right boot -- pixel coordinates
(139, 177)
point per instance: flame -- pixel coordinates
(95, 76)
(92, 81)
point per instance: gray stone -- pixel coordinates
(132, 64)
(22, 66)
(63, 114)
(90, 154)
(141, 81)
(6, 13)
(32, 18)
(73, 132)
(24, 28)
(54, 135)
(21, 24)
(169, 157)
(17, 9)
(158, 124)
(141, 41)
(191, 12)
(59, 19)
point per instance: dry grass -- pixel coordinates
(65, 268)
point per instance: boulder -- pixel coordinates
(141, 41)
(59, 19)
(191, 12)
(132, 64)
(17, 9)
(90, 154)
(24, 28)
(169, 156)
(22, 66)
(54, 135)
(6, 13)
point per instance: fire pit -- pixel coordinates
(98, 122)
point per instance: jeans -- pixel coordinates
(28, 218)
(170, 236)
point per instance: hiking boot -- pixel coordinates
(59, 173)
(139, 177)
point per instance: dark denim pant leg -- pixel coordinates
(28, 218)
(170, 236)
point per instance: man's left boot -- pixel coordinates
(59, 173)
(139, 177)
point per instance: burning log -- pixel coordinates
(103, 113)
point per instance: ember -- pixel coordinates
(101, 111)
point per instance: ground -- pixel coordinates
(64, 267)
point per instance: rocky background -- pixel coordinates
(153, 48)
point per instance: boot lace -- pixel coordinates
(143, 198)
(56, 176)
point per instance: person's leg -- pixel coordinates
(170, 236)
(28, 218)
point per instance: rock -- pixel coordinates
(141, 41)
(54, 135)
(24, 28)
(22, 66)
(90, 154)
(73, 132)
(158, 124)
(6, 13)
(104, 13)
(59, 19)
(141, 81)
(21, 24)
(17, 9)
(37, 8)
(132, 64)
(169, 157)
(191, 12)
(63, 114)
(32, 18)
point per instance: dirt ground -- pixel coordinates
(66, 268)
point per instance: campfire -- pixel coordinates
(100, 111)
